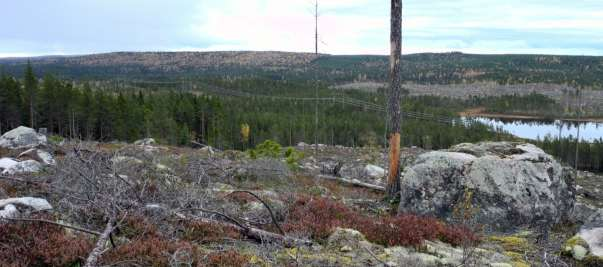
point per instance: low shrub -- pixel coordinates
(55, 139)
(137, 227)
(204, 232)
(292, 157)
(41, 244)
(229, 258)
(149, 251)
(319, 217)
(267, 149)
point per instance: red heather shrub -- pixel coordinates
(41, 244)
(199, 231)
(149, 251)
(229, 258)
(320, 216)
(137, 227)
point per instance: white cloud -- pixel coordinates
(361, 27)
(345, 26)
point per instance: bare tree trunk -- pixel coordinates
(98, 250)
(393, 105)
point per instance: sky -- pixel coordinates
(71, 27)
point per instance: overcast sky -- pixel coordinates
(44, 27)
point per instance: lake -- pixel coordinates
(532, 129)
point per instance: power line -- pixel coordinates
(212, 89)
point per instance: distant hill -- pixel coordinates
(440, 68)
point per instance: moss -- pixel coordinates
(567, 248)
(576, 240)
(512, 243)
(304, 257)
(517, 259)
(520, 264)
(592, 261)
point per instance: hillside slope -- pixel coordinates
(441, 68)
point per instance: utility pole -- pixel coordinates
(394, 97)
(316, 80)
(316, 28)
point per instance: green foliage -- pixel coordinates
(55, 139)
(292, 157)
(531, 104)
(267, 149)
(564, 149)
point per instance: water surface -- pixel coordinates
(533, 129)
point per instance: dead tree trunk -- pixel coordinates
(394, 97)
(99, 248)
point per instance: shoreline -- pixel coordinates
(480, 112)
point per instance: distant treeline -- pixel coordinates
(178, 117)
(424, 68)
(590, 154)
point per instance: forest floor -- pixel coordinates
(179, 206)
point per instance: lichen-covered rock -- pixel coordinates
(10, 207)
(9, 211)
(593, 236)
(12, 167)
(374, 172)
(38, 155)
(22, 137)
(145, 142)
(353, 244)
(582, 212)
(506, 184)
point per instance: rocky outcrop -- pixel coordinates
(145, 142)
(22, 138)
(10, 207)
(38, 155)
(352, 244)
(592, 233)
(502, 185)
(11, 167)
(374, 172)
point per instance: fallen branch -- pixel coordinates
(353, 182)
(274, 221)
(253, 233)
(76, 228)
(92, 260)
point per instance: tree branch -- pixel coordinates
(92, 260)
(54, 223)
(274, 221)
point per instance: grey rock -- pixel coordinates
(38, 155)
(374, 172)
(145, 142)
(22, 137)
(509, 185)
(582, 213)
(37, 204)
(9, 211)
(592, 233)
(12, 167)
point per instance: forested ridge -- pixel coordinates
(426, 68)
